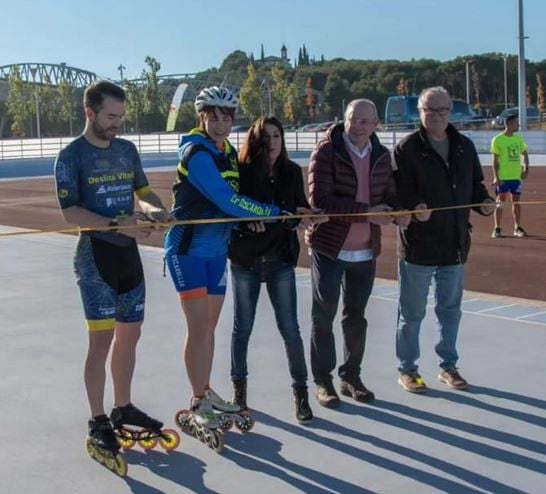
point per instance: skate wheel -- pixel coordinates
(147, 441)
(246, 424)
(226, 423)
(216, 441)
(120, 465)
(110, 462)
(180, 417)
(169, 440)
(90, 448)
(125, 439)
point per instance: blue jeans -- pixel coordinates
(280, 281)
(328, 276)
(413, 284)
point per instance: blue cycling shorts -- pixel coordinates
(509, 186)
(196, 277)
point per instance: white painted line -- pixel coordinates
(472, 300)
(496, 308)
(531, 315)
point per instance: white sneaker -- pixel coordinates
(203, 413)
(220, 404)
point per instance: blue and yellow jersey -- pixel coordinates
(103, 181)
(206, 188)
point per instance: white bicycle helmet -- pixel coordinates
(215, 96)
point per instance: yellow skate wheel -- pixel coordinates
(120, 465)
(246, 424)
(125, 439)
(110, 462)
(90, 448)
(147, 441)
(170, 439)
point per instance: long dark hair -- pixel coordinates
(254, 158)
(255, 148)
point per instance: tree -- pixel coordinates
(186, 117)
(336, 92)
(279, 91)
(310, 100)
(155, 106)
(294, 107)
(134, 106)
(402, 87)
(49, 114)
(250, 96)
(66, 104)
(541, 94)
(17, 104)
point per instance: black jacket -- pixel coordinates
(286, 191)
(422, 176)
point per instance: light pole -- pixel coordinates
(521, 71)
(36, 101)
(121, 68)
(467, 81)
(505, 83)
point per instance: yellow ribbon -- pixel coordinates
(210, 221)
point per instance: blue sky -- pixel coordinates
(190, 36)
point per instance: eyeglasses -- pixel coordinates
(362, 121)
(439, 111)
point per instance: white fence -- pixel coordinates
(295, 141)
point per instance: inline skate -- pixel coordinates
(101, 445)
(149, 434)
(201, 422)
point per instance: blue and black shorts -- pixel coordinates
(111, 281)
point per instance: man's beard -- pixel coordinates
(101, 132)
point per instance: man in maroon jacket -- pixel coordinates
(350, 172)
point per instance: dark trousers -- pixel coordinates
(328, 276)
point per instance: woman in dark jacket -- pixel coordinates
(268, 252)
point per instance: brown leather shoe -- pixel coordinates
(327, 396)
(412, 383)
(452, 378)
(356, 389)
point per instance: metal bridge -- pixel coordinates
(48, 73)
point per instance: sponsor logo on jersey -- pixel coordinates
(63, 193)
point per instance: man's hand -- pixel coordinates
(488, 206)
(308, 222)
(159, 214)
(380, 219)
(402, 220)
(136, 233)
(425, 215)
(256, 226)
(524, 172)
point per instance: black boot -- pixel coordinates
(102, 434)
(131, 415)
(239, 393)
(304, 415)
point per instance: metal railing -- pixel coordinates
(295, 141)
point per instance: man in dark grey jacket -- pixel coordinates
(350, 172)
(437, 167)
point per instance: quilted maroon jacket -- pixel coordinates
(333, 187)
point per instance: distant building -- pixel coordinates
(271, 60)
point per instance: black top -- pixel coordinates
(285, 190)
(423, 177)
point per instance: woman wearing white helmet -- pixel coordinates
(206, 187)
